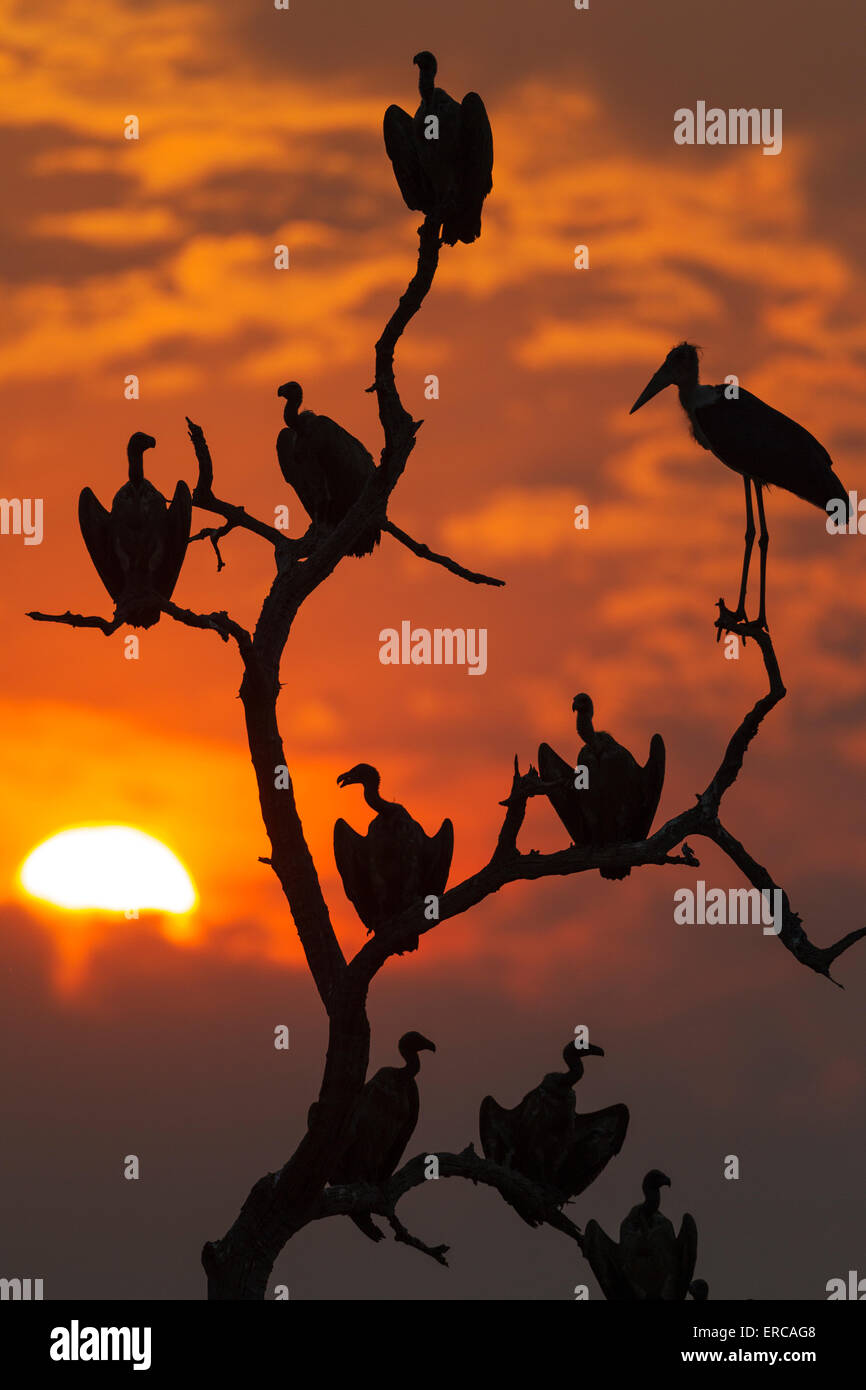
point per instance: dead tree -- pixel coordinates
(238, 1265)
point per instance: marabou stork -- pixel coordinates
(395, 865)
(650, 1261)
(139, 546)
(544, 1137)
(619, 800)
(327, 467)
(767, 448)
(382, 1122)
(443, 156)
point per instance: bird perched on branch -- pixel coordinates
(544, 1137)
(615, 799)
(139, 546)
(381, 1124)
(443, 156)
(395, 865)
(327, 467)
(650, 1261)
(767, 448)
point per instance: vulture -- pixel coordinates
(651, 1261)
(327, 467)
(619, 800)
(443, 156)
(765, 447)
(546, 1140)
(394, 865)
(381, 1124)
(138, 547)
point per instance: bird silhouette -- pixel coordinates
(395, 864)
(651, 1261)
(767, 448)
(620, 798)
(327, 467)
(139, 546)
(443, 156)
(546, 1140)
(381, 1123)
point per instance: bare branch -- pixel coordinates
(220, 623)
(426, 553)
(541, 1204)
(77, 620)
(204, 498)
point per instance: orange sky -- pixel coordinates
(155, 257)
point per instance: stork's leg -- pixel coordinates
(740, 615)
(763, 546)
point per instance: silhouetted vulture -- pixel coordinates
(395, 864)
(138, 547)
(443, 156)
(544, 1137)
(650, 1261)
(327, 467)
(617, 805)
(382, 1122)
(753, 439)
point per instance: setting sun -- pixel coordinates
(114, 868)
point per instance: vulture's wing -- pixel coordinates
(687, 1250)
(569, 803)
(98, 532)
(440, 851)
(351, 854)
(495, 1128)
(402, 151)
(175, 526)
(597, 1138)
(653, 776)
(605, 1260)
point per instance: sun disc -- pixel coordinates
(113, 868)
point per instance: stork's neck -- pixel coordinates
(136, 464)
(688, 389)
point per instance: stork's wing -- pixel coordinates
(605, 1260)
(653, 778)
(174, 525)
(687, 1251)
(495, 1128)
(598, 1137)
(98, 533)
(754, 439)
(570, 804)
(350, 854)
(440, 851)
(402, 151)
